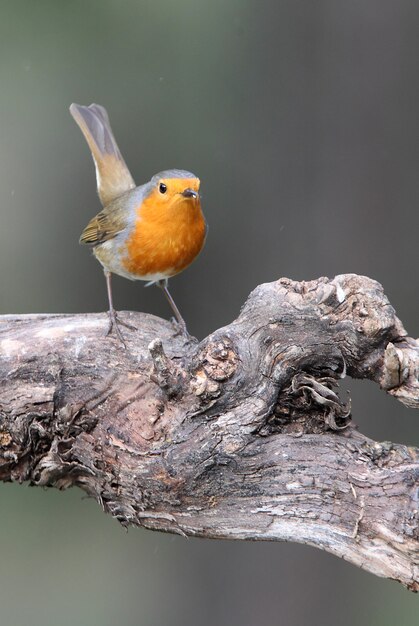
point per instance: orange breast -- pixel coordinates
(167, 236)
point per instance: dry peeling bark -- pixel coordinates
(240, 436)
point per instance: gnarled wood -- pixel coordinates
(240, 436)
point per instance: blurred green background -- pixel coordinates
(301, 119)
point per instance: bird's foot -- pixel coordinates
(180, 329)
(114, 323)
(122, 323)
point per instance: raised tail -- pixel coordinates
(112, 174)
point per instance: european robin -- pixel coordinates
(150, 232)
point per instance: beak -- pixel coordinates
(189, 193)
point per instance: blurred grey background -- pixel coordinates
(301, 119)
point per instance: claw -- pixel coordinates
(114, 323)
(180, 328)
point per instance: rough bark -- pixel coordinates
(240, 436)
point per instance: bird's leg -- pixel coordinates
(114, 320)
(179, 319)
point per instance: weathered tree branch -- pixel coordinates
(241, 436)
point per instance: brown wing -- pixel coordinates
(111, 221)
(112, 175)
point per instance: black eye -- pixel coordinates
(162, 188)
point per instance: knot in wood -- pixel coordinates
(219, 360)
(217, 363)
(5, 439)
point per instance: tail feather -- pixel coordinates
(112, 174)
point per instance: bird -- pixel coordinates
(151, 232)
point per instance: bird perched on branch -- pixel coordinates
(149, 233)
